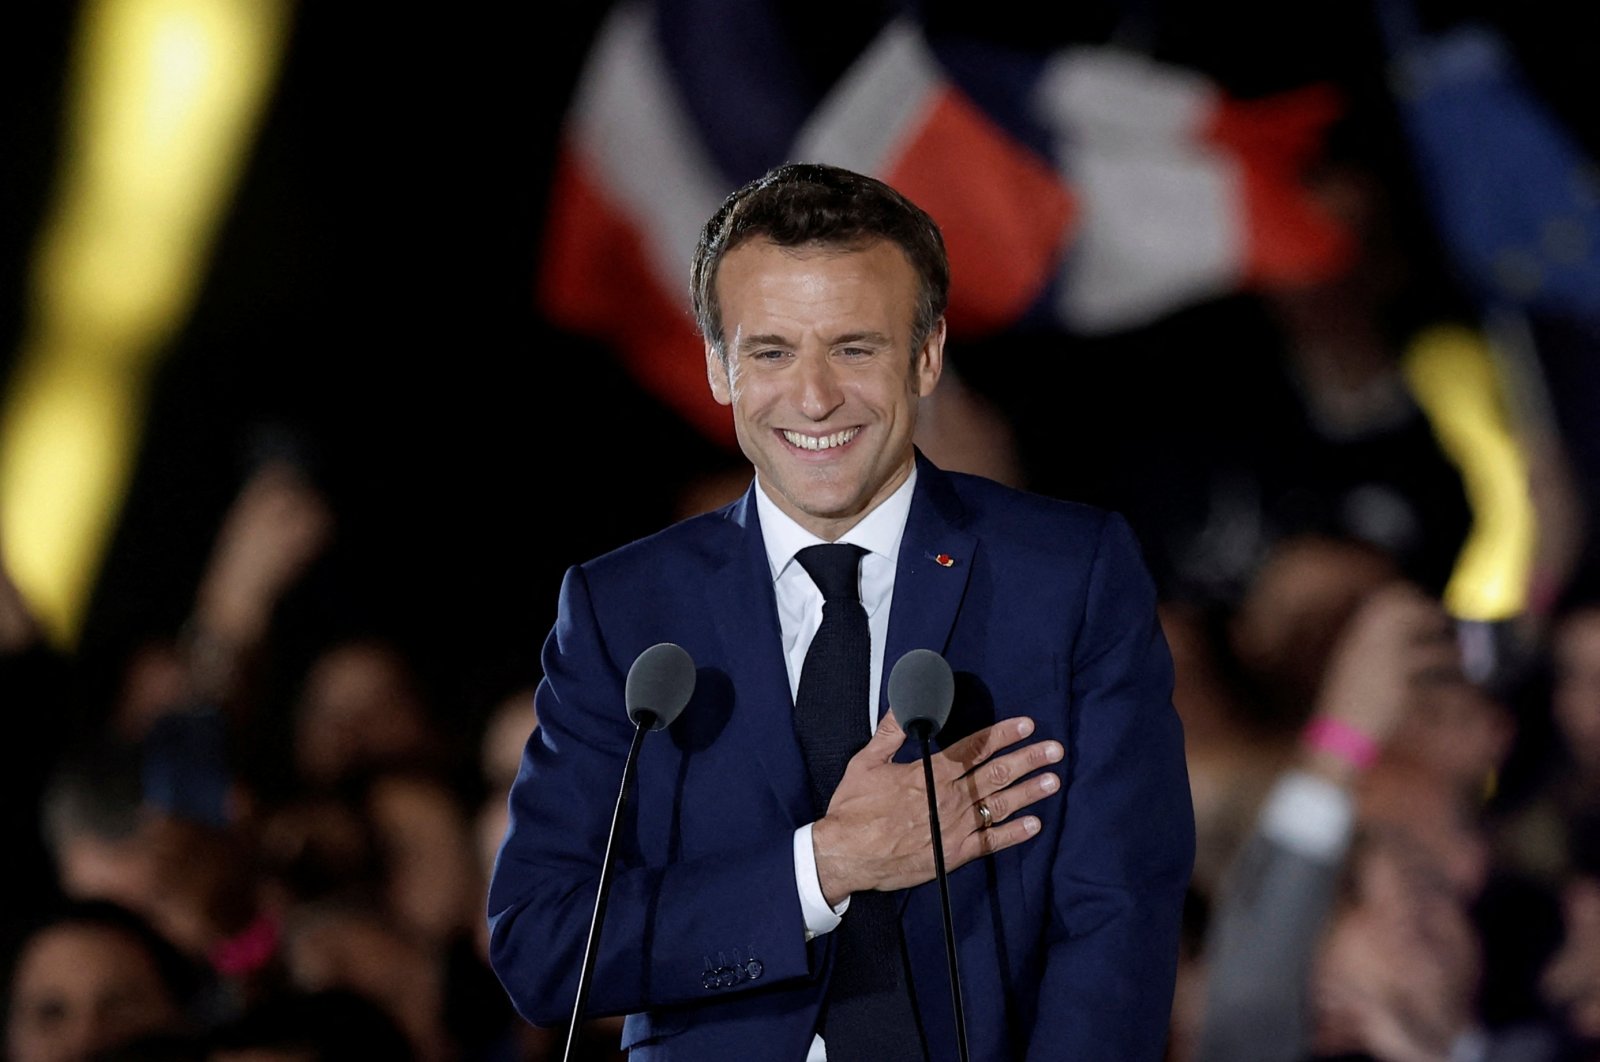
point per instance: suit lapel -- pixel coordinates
(936, 555)
(746, 616)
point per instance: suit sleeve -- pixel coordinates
(1126, 850)
(664, 925)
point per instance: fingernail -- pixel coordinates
(1052, 751)
(1049, 783)
(1025, 727)
(1030, 824)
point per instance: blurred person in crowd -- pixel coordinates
(1534, 832)
(432, 881)
(1232, 758)
(1274, 903)
(314, 846)
(92, 977)
(91, 813)
(361, 709)
(1570, 982)
(1347, 924)
(1250, 674)
(1461, 733)
(434, 890)
(274, 529)
(346, 944)
(505, 736)
(190, 702)
(193, 878)
(377, 890)
(45, 706)
(820, 294)
(1397, 974)
(1293, 611)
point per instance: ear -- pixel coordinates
(929, 365)
(717, 377)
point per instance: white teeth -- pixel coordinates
(820, 442)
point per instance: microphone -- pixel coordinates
(921, 690)
(659, 685)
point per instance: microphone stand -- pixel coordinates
(643, 721)
(922, 729)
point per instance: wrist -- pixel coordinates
(831, 878)
(1338, 746)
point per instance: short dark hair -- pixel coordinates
(802, 203)
(182, 978)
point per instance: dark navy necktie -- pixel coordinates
(868, 1014)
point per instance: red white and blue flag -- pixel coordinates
(1089, 189)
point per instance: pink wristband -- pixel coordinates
(1338, 738)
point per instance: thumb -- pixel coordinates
(886, 740)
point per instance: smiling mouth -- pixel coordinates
(820, 442)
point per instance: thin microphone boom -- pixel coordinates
(921, 690)
(659, 684)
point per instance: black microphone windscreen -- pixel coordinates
(660, 682)
(921, 689)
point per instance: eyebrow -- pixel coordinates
(774, 340)
(771, 340)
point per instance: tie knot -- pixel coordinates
(833, 568)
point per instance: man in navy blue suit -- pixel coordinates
(1062, 792)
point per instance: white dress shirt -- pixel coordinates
(799, 615)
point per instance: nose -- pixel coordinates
(820, 393)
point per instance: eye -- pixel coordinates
(768, 355)
(46, 1014)
(855, 352)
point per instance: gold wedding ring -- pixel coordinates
(986, 815)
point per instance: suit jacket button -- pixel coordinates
(753, 969)
(708, 981)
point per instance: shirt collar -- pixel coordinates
(879, 532)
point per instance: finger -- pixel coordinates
(885, 741)
(1008, 802)
(975, 748)
(995, 839)
(996, 774)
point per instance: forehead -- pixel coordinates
(811, 282)
(83, 956)
(1577, 640)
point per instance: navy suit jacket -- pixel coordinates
(1067, 943)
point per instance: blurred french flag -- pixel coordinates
(1087, 190)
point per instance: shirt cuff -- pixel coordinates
(1309, 815)
(819, 915)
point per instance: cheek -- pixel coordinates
(751, 394)
(1578, 712)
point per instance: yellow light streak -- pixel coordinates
(1452, 373)
(164, 100)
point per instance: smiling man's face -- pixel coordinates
(821, 374)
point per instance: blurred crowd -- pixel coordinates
(231, 853)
